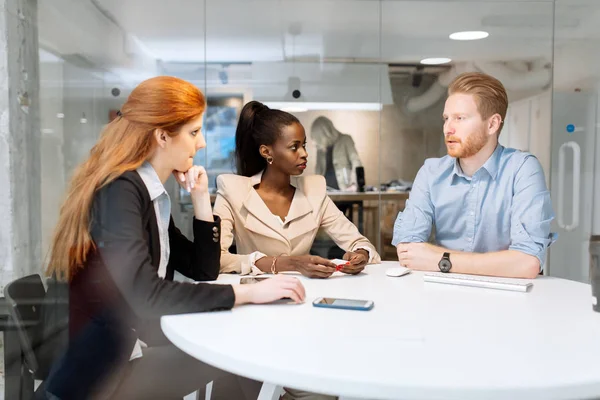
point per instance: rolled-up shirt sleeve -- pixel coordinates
(531, 213)
(414, 224)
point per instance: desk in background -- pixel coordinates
(375, 216)
(360, 198)
(342, 196)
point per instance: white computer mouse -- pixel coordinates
(397, 271)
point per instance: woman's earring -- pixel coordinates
(270, 160)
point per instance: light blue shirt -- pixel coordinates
(162, 208)
(504, 205)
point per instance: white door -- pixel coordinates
(574, 122)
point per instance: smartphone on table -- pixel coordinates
(346, 304)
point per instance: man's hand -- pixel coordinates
(420, 256)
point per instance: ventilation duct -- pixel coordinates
(71, 29)
(512, 79)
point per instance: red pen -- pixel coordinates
(340, 264)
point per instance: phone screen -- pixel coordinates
(344, 302)
(252, 279)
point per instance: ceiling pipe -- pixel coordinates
(437, 89)
(516, 80)
(511, 79)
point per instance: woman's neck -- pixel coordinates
(162, 172)
(275, 181)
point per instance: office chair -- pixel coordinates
(40, 338)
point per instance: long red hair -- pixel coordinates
(162, 102)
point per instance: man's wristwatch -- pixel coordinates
(445, 265)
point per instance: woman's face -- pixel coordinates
(289, 150)
(183, 147)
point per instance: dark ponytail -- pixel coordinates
(258, 125)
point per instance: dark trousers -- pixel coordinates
(166, 372)
(96, 365)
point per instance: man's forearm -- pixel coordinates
(507, 263)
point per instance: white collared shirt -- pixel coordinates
(162, 208)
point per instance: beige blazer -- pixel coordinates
(245, 216)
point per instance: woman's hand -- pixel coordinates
(194, 180)
(358, 261)
(310, 266)
(269, 290)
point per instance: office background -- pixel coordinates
(70, 64)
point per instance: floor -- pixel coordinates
(191, 396)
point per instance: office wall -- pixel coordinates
(68, 93)
(393, 143)
(52, 140)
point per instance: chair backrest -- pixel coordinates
(54, 326)
(24, 298)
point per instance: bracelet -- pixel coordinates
(273, 268)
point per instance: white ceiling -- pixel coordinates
(259, 30)
(134, 38)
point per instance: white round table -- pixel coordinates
(420, 341)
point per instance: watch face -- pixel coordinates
(445, 265)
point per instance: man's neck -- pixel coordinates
(470, 165)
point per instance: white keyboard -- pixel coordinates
(516, 285)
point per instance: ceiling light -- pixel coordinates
(469, 35)
(311, 105)
(60, 115)
(435, 61)
(294, 109)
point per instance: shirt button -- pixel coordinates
(472, 213)
(215, 240)
(216, 234)
(215, 229)
(469, 240)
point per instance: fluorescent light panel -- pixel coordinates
(469, 35)
(435, 61)
(297, 106)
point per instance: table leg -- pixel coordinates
(270, 391)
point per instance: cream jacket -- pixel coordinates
(245, 217)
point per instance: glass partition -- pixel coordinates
(514, 45)
(366, 76)
(572, 146)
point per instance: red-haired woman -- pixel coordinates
(118, 247)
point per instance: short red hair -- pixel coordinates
(489, 93)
